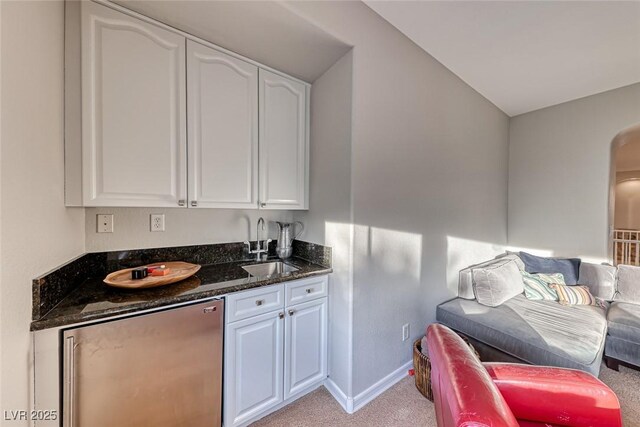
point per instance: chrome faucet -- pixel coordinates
(260, 221)
(265, 248)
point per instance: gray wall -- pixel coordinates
(182, 227)
(328, 220)
(37, 232)
(429, 183)
(559, 172)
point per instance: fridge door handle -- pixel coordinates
(69, 392)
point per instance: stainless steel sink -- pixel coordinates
(268, 269)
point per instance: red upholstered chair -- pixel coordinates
(469, 393)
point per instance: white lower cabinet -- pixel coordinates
(274, 357)
(305, 354)
(253, 367)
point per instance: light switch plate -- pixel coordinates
(157, 222)
(104, 223)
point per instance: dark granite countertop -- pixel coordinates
(95, 300)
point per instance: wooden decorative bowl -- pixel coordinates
(179, 271)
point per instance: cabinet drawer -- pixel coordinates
(306, 290)
(256, 301)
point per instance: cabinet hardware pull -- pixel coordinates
(309, 290)
(259, 302)
(281, 315)
(292, 312)
(70, 379)
(210, 309)
(181, 202)
(194, 203)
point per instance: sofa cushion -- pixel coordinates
(536, 286)
(623, 350)
(599, 278)
(623, 319)
(628, 287)
(537, 332)
(465, 279)
(569, 267)
(573, 295)
(496, 284)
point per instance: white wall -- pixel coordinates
(627, 200)
(428, 182)
(628, 156)
(38, 233)
(559, 172)
(182, 227)
(627, 211)
(328, 221)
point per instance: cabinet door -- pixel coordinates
(305, 357)
(223, 129)
(133, 111)
(283, 143)
(253, 367)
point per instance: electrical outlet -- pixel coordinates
(157, 222)
(104, 223)
(405, 332)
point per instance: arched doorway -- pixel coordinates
(624, 209)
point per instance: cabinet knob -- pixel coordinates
(263, 205)
(308, 290)
(281, 315)
(292, 312)
(194, 203)
(181, 202)
(259, 302)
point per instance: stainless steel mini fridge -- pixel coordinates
(158, 369)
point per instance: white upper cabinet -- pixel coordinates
(157, 118)
(133, 111)
(284, 147)
(223, 129)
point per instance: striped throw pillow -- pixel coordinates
(574, 295)
(536, 286)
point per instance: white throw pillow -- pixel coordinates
(599, 278)
(465, 280)
(496, 284)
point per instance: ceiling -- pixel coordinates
(265, 31)
(526, 55)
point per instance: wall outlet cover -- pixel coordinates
(405, 332)
(157, 222)
(104, 223)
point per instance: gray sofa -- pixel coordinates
(623, 336)
(548, 333)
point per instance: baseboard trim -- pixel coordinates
(339, 395)
(380, 387)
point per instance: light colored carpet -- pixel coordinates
(626, 385)
(403, 406)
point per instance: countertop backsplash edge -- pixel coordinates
(51, 288)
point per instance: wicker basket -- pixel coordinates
(422, 368)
